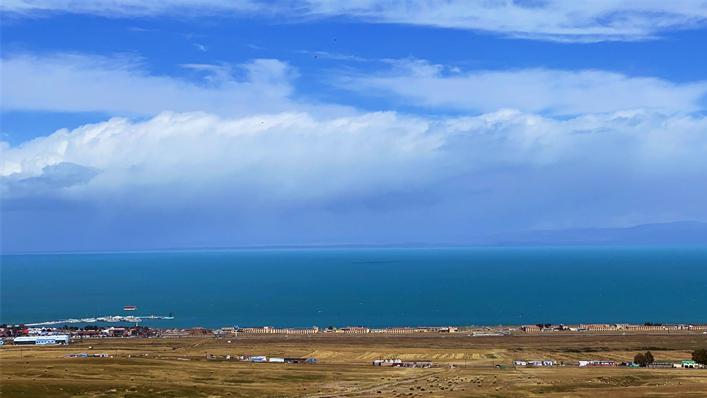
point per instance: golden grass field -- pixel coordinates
(464, 367)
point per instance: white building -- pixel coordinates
(42, 340)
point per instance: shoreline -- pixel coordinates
(119, 329)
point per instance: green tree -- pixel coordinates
(644, 360)
(700, 356)
(649, 358)
(640, 359)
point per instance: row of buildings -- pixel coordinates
(612, 327)
(261, 359)
(345, 330)
(399, 363)
(90, 331)
(685, 364)
(474, 331)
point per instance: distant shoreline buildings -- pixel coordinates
(612, 327)
(95, 331)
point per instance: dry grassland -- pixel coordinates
(464, 367)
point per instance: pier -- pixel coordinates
(102, 319)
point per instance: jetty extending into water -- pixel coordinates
(100, 319)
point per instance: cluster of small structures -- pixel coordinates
(476, 331)
(685, 364)
(344, 330)
(22, 334)
(260, 359)
(87, 355)
(534, 363)
(398, 363)
(94, 331)
(612, 327)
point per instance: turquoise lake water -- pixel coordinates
(375, 287)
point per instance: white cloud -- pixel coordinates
(122, 8)
(197, 178)
(287, 156)
(622, 148)
(200, 47)
(296, 156)
(563, 92)
(122, 85)
(545, 19)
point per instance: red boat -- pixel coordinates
(129, 308)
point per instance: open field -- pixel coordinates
(464, 367)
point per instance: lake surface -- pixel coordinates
(374, 287)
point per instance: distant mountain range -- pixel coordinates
(674, 233)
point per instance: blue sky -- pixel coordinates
(139, 124)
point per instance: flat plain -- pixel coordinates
(464, 366)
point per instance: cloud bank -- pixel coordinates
(501, 167)
(525, 149)
(286, 157)
(546, 20)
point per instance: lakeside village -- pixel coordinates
(65, 335)
(35, 330)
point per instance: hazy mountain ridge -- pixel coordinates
(674, 233)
